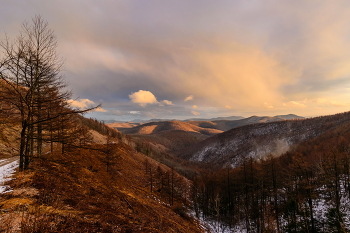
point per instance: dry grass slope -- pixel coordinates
(76, 194)
(157, 127)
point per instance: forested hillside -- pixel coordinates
(255, 141)
(304, 190)
(225, 125)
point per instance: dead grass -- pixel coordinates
(9, 140)
(158, 127)
(75, 193)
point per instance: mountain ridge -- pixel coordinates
(257, 140)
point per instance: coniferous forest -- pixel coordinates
(304, 190)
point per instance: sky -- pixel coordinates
(179, 59)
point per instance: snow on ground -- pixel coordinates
(5, 173)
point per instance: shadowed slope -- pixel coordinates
(258, 140)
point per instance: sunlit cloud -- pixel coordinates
(167, 102)
(82, 103)
(295, 104)
(99, 109)
(143, 98)
(321, 102)
(190, 97)
(238, 54)
(195, 113)
(268, 106)
(194, 106)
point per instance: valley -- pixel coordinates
(175, 132)
(298, 165)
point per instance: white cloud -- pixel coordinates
(190, 97)
(195, 113)
(167, 102)
(143, 98)
(82, 103)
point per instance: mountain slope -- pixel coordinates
(219, 123)
(258, 140)
(122, 125)
(290, 117)
(157, 127)
(225, 125)
(107, 187)
(230, 118)
(315, 174)
(168, 136)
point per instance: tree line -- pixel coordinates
(305, 190)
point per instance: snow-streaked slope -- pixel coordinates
(6, 170)
(258, 140)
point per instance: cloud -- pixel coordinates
(292, 54)
(268, 106)
(338, 104)
(99, 109)
(143, 98)
(195, 113)
(190, 97)
(295, 104)
(167, 102)
(321, 102)
(194, 106)
(228, 106)
(118, 112)
(82, 103)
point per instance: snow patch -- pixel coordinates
(5, 172)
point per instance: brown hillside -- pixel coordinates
(126, 125)
(157, 127)
(225, 125)
(76, 193)
(169, 136)
(97, 188)
(172, 140)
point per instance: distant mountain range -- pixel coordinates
(136, 122)
(172, 135)
(229, 118)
